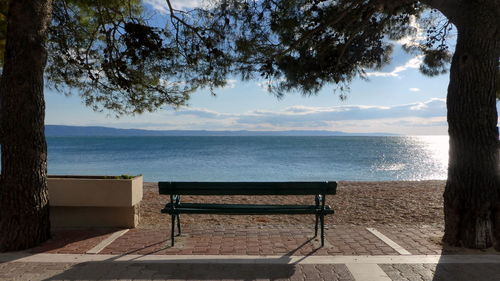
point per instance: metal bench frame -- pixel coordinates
(176, 189)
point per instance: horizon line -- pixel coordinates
(244, 130)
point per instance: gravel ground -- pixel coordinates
(356, 203)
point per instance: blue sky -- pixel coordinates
(397, 99)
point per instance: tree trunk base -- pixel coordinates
(22, 226)
(469, 229)
(25, 231)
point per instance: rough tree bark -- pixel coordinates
(472, 194)
(24, 217)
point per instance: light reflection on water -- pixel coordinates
(424, 157)
(437, 147)
(253, 158)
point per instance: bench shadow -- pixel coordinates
(312, 252)
(155, 249)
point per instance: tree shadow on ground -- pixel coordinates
(466, 272)
(459, 264)
(178, 271)
(77, 239)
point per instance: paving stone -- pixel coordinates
(424, 240)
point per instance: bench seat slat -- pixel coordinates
(247, 188)
(248, 211)
(238, 206)
(195, 208)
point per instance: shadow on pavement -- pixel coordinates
(469, 270)
(189, 271)
(73, 240)
(13, 256)
(200, 269)
(466, 272)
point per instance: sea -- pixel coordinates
(252, 158)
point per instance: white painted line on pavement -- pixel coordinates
(367, 272)
(104, 243)
(388, 241)
(236, 259)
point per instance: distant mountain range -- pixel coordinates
(93, 131)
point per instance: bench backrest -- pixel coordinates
(247, 188)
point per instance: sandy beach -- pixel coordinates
(356, 203)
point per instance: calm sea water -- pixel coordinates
(252, 158)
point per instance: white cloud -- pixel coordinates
(428, 117)
(299, 115)
(264, 85)
(416, 37)
(267, 84)
(414, 89)
(411, 64)
(230, 84)
(162, 7)
(158, 5)
(404, 126)
(201, 112)
(347, 118)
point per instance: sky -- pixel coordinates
(397, 99)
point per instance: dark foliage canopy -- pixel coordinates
(117, 60)
(304, 44)
(112, 54)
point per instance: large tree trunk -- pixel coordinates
(472, 194)
(24, 209)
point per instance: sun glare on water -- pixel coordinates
(437, 147)
(413, 158)
(435, 150)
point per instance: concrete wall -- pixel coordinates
(79, 201)
(81, 217)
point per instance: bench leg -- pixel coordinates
(179, 225)
(316, 227)
(322, 219)
(173, 229)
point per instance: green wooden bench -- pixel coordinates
(176, 189)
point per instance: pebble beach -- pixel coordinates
(356, 203)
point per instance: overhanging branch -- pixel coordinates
(448, 8)
(187, 25)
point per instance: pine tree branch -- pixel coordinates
(318, 29)
(187, 25)
(449, 8)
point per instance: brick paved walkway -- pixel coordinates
(223, 240)
(254, 240)
(355, 268)
(73, 241)
(418, 240)
(294, 242)
(251, 240)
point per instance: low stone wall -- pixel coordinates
(86, 201)
(76, 217)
